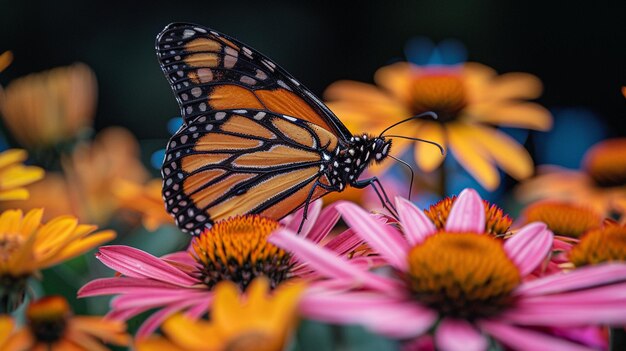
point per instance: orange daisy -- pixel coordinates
(599, 184)
(469, 100)
(51, 326)
(146, 200)
(46, 108)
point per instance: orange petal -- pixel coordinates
(157, 343)
(397, 79)
(192, 335)
(474, 159)
(515, 85)
(519, 115)
(6, 328)
(508, 153)
(352, 91)
(428, 157)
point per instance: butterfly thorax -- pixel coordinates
(352, 158)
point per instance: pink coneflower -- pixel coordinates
(234, 249)
(466, 287)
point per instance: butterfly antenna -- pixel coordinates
(421, 115)
(441, 149)
(410, 170)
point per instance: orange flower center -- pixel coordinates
(236, 249)
(600, 245)
(47, 318)
(606, 163)
(563, 218)
(442, 93)
(253, 341)
(9, 244)
(462, 275)
(497, 223)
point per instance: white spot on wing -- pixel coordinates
(230, 59)
(188, 33)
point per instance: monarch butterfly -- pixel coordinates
(254, 139)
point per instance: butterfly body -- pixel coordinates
(254, 140)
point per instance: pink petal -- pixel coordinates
(392, 317)
(529, 247)
(455, 334)
(200, 308)
(597, 306)
(180, 257)
(344, 242)
(324, 223)
(157, 299)
(528, 340)
(467, 213)
(415, 225)
(126, 314)
(580, 278)
(327, 263)
(136, 263)
(384, 239)
(123, 285)
(313, 212)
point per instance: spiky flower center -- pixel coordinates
(462, 275)
(606, 163)
(47, 318)
(236, 249)
(443, 93)
(496, 221)
(563, 219)
(600, 245)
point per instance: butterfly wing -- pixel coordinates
(224, 164)
(212, 71)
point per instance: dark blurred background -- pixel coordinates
(578, 51)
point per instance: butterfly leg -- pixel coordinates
(305, 211)
(382, 195)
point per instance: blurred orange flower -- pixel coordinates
(144, 199)
(28, 246)
(468, 100)
(14, 175)
(5, 60)
(51, 326)
(600, 184)
(43, 109)
(86, 187)
(257, 321)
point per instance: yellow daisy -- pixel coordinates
(14, 175)
(51, 326)
(469, 100)
(43, 109)
(28, 246)
(256, 321)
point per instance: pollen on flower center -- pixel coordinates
(462, 275)
(237, 249)
(47, 318)
(600, 245)
(442, 93)
(9, 244)
(496, 221)
(606, 163)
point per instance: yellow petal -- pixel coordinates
(508, 153)
(428, 157)
(352, 91)
(157, 343)
(12, 156)
(192, 335)
(227, 307)
(77, 248)
(108, 330)
(19, 175)
(515, 85)
(397, 78)
(6, 328)
(10, 221)
(519, 115)
(14, 194)
(31, 221)
(22, 340)
(474, 159)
